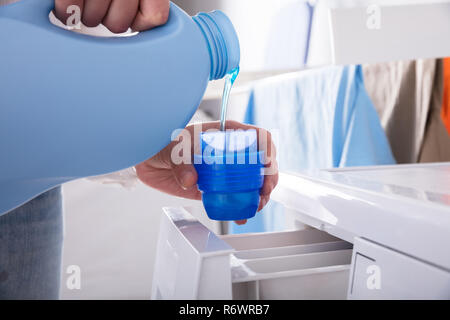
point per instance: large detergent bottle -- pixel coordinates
(73, 105)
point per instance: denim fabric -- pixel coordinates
(31, 238)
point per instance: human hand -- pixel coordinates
(117, 15)
(160, 171)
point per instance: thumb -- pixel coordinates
(185, 175)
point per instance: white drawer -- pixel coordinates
(194, 263)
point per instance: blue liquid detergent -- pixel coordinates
(229, 81)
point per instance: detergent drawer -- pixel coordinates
(194, 263)
(382, 273)
(303, 264)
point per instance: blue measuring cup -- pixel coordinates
(230, 174)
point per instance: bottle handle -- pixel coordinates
(38, 12)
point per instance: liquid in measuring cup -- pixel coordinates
(229, 81)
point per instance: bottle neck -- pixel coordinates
(222, 41)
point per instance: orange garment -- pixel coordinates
(445, 113)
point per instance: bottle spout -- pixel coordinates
(222, 40)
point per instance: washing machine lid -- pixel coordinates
(403, 207)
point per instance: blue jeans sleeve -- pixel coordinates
(31, 239)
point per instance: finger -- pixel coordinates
(185, 175)
(241, 222)
(94, 12)
(271, 180)
(121, 14)
(62, 6)
(173, 158)
(262, 203)
(162, 180)
(265, 143)
(152, 13)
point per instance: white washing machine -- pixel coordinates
(357, 233)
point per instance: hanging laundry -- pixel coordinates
(436, 142)
(402, 92)
(323, 118)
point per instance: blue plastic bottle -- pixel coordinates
(73, 106)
